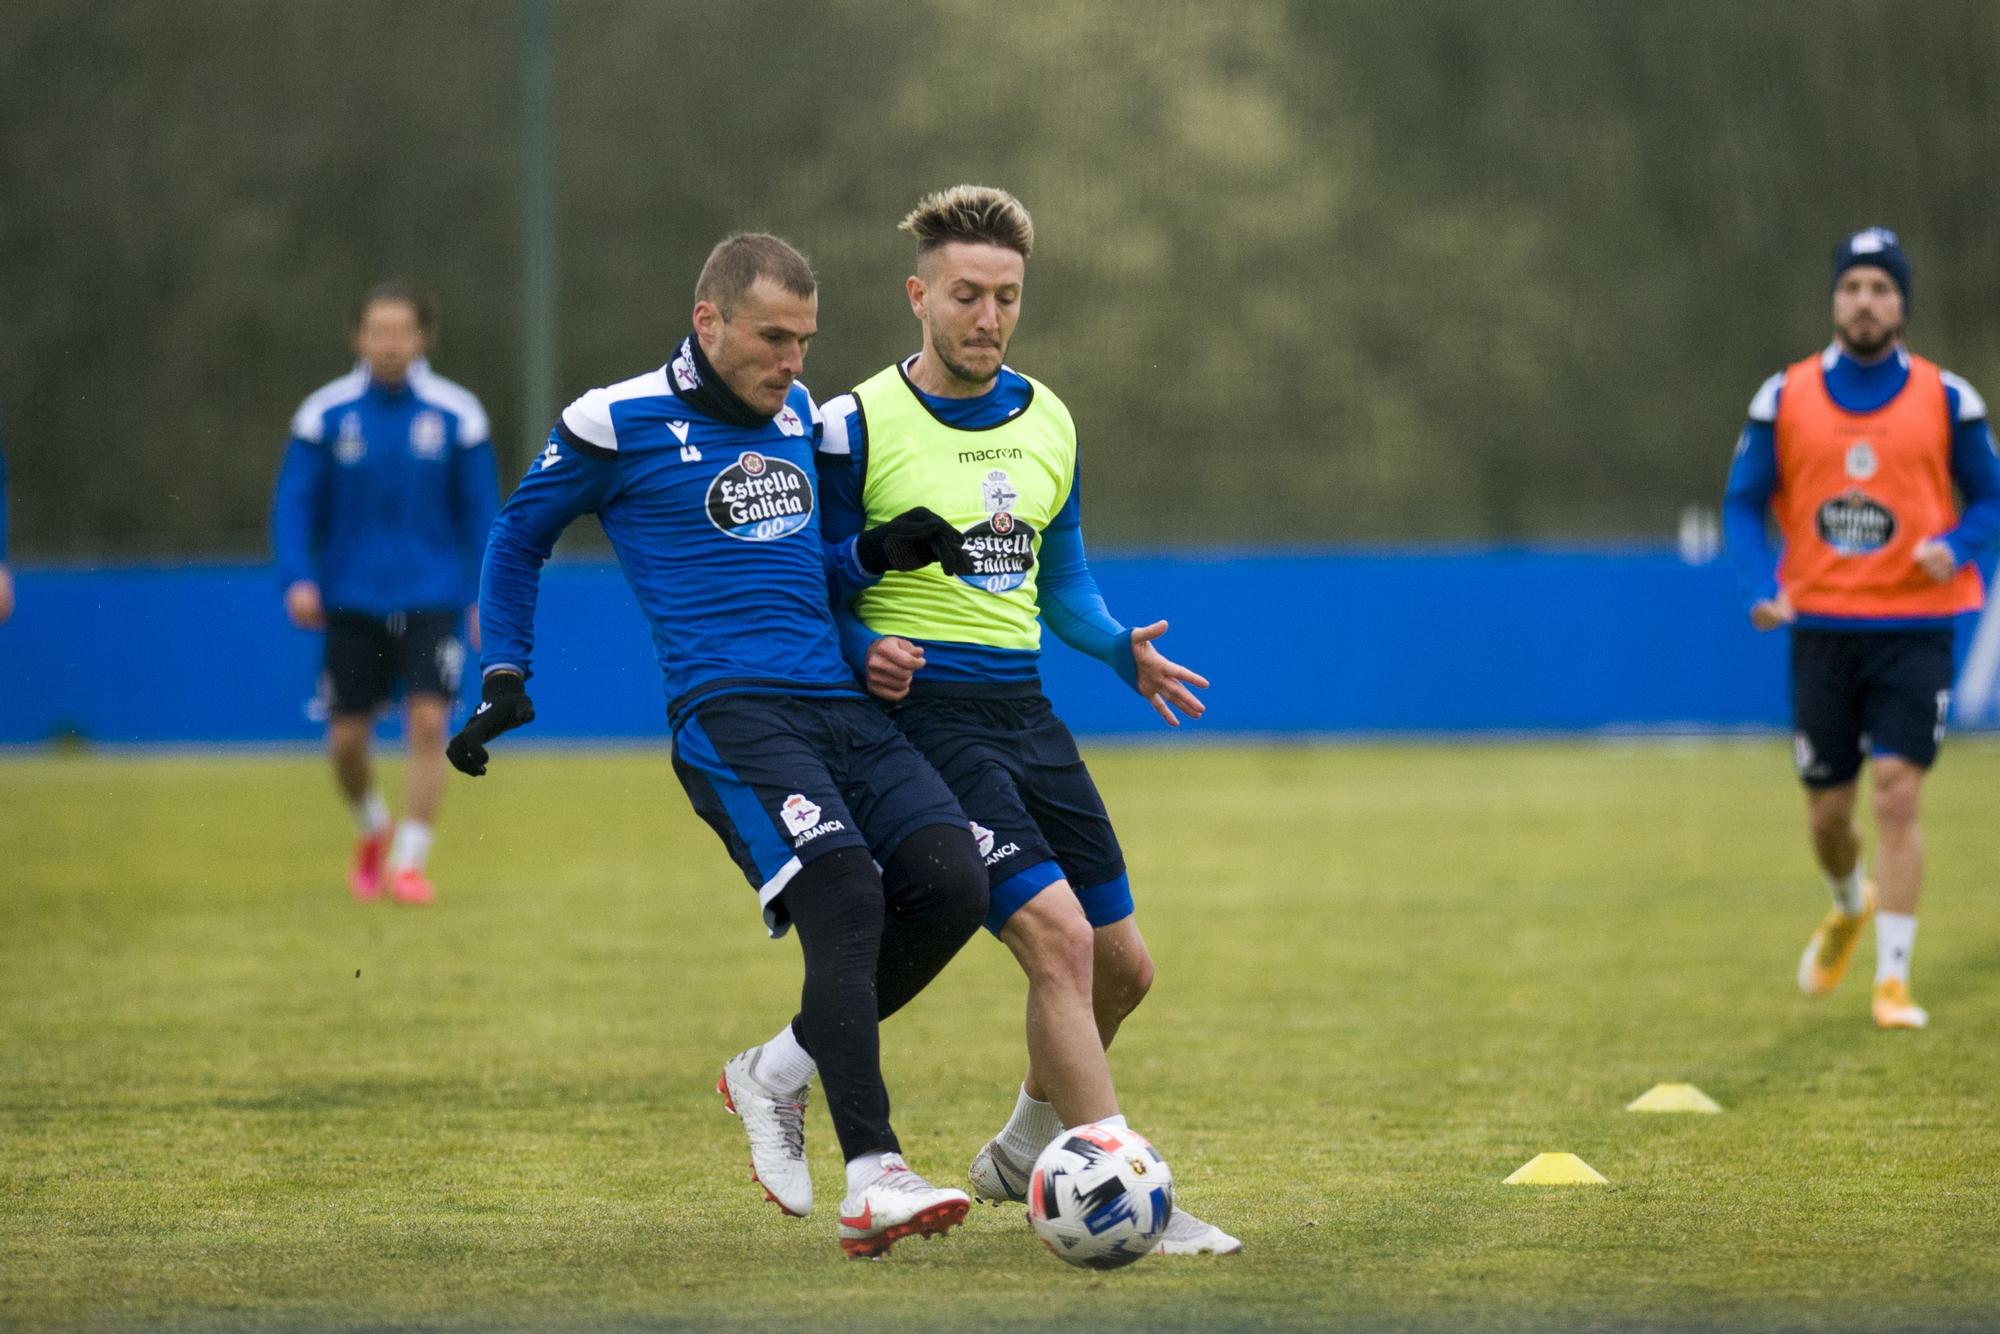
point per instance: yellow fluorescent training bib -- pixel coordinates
(1000, 486)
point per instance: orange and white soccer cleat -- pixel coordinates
(1895, 1008)
(1831, 948)
(364, 877)
(410, 885)
(897, 1204)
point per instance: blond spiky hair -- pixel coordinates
(982, 214)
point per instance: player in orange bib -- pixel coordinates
(1855, 452)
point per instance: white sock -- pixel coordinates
(412, 846)
(782, 1065)
(1848, 891)
(862, 1171)
(371, 814)
(1029, 1130)
(1895, 937)
(1117, 1121)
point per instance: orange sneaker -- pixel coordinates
(364, 877)
(1831, 948)
(410, 885)
(1894, 1007)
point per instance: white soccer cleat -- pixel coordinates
(897, 1204)
(776, 1127)
(1188, 1235)
(996, 1178)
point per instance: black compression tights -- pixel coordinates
(872, 942)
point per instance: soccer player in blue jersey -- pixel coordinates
(994, 453)
(701, 474)
(383, 502)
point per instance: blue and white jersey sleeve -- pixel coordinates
(1067, 594)
(1975, 469)
(1746, 503)
(840, 465)
(570, 478)
(298, 503)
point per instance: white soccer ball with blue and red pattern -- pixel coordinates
(1100, 1196)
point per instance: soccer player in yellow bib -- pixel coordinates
(955, 430)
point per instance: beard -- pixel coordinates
(1871, 342)
(965, 373)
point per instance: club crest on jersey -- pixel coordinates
(1855, 524)
(427, 435)
(1861, 461)
(788, 421)
(997, 493)
(349, 445)
(760, 499)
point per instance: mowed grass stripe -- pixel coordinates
(1388, 976)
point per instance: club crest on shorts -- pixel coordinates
(798, 813)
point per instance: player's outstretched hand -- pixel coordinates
(1162, 681)
(913, 539)
(1773, 612)
(504, 705)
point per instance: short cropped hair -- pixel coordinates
(982, 214)
(738, 261)
(395, 289)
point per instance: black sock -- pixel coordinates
(837, 907)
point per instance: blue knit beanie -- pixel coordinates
(1877, 246)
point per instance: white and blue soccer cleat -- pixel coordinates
(1188, 1235)
(998, 1179)
(776, 1126)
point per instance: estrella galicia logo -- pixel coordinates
(1855, 524)
(1002, 550)
(760, 499)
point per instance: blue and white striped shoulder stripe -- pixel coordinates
(309, 422)
(588, 424)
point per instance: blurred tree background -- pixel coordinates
(1308, 272)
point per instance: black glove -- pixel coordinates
(504, 705)
(913, 539)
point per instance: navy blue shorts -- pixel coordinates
(784, 779)
(1887, 691)
(1034, 809)
(368, 657)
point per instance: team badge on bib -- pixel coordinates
(1861, 462)
(760, 499)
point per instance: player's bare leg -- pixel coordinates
(1837, 848)
(1894, 791)
(424, 719)
(1054, 944)
(349, 737)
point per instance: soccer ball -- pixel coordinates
(1100, 1196)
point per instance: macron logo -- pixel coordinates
(680, 430)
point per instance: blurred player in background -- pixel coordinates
(701, 473)
(1854, 452)
(6, 577)
(954, 428)
(383, 502)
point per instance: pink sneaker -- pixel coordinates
(410, 885)
(364, 878)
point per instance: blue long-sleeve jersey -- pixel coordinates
(1856, 387)
(1067, 594)
(386, 493)
(715, 526)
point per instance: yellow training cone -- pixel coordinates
(1673, 1098)
(1556, 1169)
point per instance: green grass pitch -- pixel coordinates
(232, 1098)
